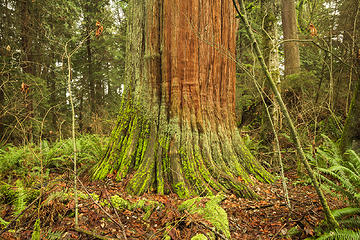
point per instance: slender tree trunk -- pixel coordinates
(291, 48)
(2, 104)
(81, 111)
(90, 78)
(27, 64)
(99, 91)
(4, 33)
(26, 37)
(331, 73)
(176, 130)
(53, 98)
(271, 57)
(353, 42)
(89, 56)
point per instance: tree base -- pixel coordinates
(179, 158)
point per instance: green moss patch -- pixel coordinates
(209, 208)
(147, 206)
(199, 237)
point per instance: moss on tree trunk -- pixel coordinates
(176, 130)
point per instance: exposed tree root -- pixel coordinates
(165, 157)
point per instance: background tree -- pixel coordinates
(291, 48)
(176, 130)
(32, 53)
(351, 134)
(270, 37)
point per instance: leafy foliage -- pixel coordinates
(341, 175)
(16, 161)
(340, 234)
(24, 163)
(344, 212)
(20, 202)
(3, 222)
(36, 232)
(348, 217)
(338, 174)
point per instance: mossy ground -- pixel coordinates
(151, 215)
(209, 208)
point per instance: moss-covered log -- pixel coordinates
(176, 130)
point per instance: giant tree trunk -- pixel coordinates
(291, 47)
(176, 129)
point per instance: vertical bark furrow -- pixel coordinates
(144, 177)
(177, 133)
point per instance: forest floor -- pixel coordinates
(268, 218)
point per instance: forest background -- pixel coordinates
(41, 40)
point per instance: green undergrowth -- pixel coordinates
(21, 175)
(25, 161)
(17, 196)
(206, 207)
(339, 176)
(148, 206)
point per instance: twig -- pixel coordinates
(69, 78)
(277, 145)
(122, 225)
(317, 45)
(94, 235)
(277, 233)
(263, 206)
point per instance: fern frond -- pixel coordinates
(36, 232)
(344, 212)
(329, 190)
(353, 160)
(3, 222)
(56, 235)
(20, 202)
(341, 177)
(345, 172)
(340, 234)
(350, 223)
(354, 156)
(351, 195)
(353, 168)
(329, 143)
(58, 195)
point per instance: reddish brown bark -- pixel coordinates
(197, 60)
(177, 127)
